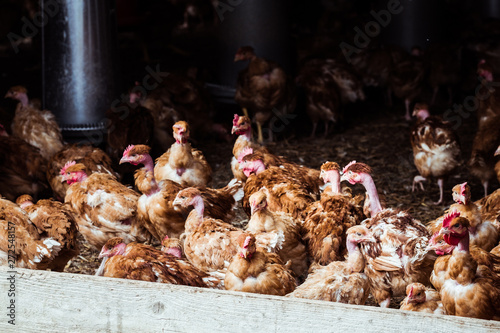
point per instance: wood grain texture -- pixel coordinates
(62, 302)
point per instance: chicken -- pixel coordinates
(210, 244)
(470, 290)
(487, 139)
(406, 78)
(155, 206)
(175, 97)
(443, 65)
(198, 15)
(94, 159)
(263, 219)
(103, 207)
(444, 251)
(328, 220)
(340, 281)
(399, 255)
(22, 169)
(136, 261)
(420, 298)
(243, 128)
(482, 234)
(482, 161)
(21, 244)
(373, 65)
(255, 270)
(182, 163)
(292, 187)
(172, 246)
(54, 220)
(436, 150)
(262, 88)
(128, 123)
(489, 207)
(328, 85)
(38, 128)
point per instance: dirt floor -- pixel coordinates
(373, 134)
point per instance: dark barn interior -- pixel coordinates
(370, 62)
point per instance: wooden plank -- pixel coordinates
(53, 302)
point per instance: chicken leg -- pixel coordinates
(245, 111)
(259, 131)
(407, 106)
(485, 186)
(440, 184)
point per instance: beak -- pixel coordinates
(444, 231)
(234, 129)
(123, 160)
(252, 209)
(498, 151)
(103, 253)
(237, 58)
(343, 178)
(244, 253)
(176, 202)
(369, 239)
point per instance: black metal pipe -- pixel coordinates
(79, 64)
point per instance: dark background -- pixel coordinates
(309, 28)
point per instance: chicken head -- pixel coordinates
(246, 243)
(461, 193)
(135, 154)
(415, 293)
(73, 172)
(241, 125)
(114, 246)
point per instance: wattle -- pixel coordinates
(452, 240)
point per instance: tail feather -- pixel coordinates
(235, 188)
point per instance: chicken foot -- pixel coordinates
(418, 180)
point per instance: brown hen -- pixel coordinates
(54, 220)
(255, 270)
(136, 261)
(21, 244)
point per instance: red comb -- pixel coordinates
(462, 188)
(411, 292)
(247, 242)
(128, 149)
(344, 170)
(66, 166)
(449, 217)
(235, 120)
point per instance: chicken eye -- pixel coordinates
(358, 234)
(183, 197)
